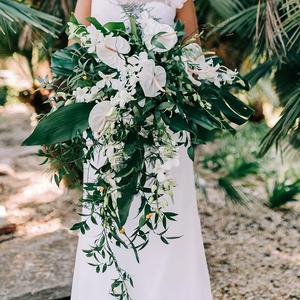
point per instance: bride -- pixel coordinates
(177, 271)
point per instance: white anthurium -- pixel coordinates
(81, 94)
(111, 50)
(163, 33)
(98, 117)
(152, 78)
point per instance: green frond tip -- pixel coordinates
(12, 13)
(283, 193)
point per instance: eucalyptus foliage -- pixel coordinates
(133, 97)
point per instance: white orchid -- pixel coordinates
(111, 50)
(109, 80)
(152, 78)
(98, 117)
(228, 75)
(203, 70)
(121, 98)
(192, 53)
(92, 39)
(81, 94)
(164, 34)
(137, 61)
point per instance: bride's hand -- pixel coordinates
(187, 15)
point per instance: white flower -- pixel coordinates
(109, 80)
(92, 39)
(110, 51)
(92, 94)
(152, 78)
(192, 52)
(121, 98)
(137, 61)
(73, 31)
(80, 94)
(98, 117)
(163, 33)
(203, 70)
(228, 76)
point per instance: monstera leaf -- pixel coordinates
(61, 125)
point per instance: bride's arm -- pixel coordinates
(187, 15)
(83, 10)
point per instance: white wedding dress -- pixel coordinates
(177, 271)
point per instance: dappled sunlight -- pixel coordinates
(39, 228)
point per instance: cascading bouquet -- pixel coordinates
(134, 93)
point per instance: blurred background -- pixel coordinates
(248, 184)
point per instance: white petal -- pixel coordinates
(152, 79)
(98, 116)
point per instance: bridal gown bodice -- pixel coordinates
(177, 271)
(111, 10)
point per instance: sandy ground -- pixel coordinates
(252, 253)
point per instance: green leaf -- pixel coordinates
(61, 125)
(64, 61)
(191, 152)
(166, 106)
(155, 42)
(176, 122)
(97, 24)
(133, 27)
(115, 26)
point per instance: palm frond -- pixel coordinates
(283, 193)
(261, 23)
(287, 125)
(291, 23)
(13, 13)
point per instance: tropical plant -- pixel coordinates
(284, 192)
(14, 13)
(269, 32)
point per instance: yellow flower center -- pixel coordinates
(149, 216)
(122, 230)
(101, 189)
